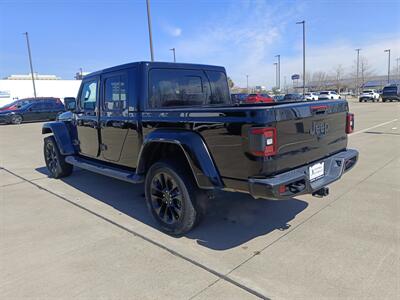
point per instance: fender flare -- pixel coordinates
(62, 136)
(196, 152)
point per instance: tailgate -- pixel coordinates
(307, 132)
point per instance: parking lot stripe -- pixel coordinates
(171, 251)
(369, 128)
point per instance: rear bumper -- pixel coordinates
(297, 181)
(390, 97)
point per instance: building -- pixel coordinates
(29, 77)
(20, 86)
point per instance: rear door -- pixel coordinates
(114, 119)
(48, 111)
(87, 122)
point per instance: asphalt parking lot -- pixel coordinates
(89, 236)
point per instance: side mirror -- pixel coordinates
(70, 104)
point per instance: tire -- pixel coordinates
(173, 198)
(55, 161)
(16, 119)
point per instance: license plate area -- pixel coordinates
(316, 171)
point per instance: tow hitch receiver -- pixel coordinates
(322, 192)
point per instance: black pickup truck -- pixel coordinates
(173, 127)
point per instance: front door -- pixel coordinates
(34, 112)
(87, 122)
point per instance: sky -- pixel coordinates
(242, 35)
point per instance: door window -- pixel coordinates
(88, 95)
(116, 95)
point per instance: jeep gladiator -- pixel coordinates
(173, 127)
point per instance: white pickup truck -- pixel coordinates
(328, 95)
(369, 95)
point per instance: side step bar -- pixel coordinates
(131, 177)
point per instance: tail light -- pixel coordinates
(263, 141)
(349, 123)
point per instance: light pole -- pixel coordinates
(30, 63)
(388, 51)
(150, 34)
(397, 67)
(304, 55)
(173, 50)
(276, 74)
(247, 79)
(358, 68)
(279, 71)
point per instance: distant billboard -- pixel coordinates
(295, 76)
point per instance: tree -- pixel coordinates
(231, 84)
(365, 70)
(320, 79)
(339, 71)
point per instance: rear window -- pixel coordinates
(175, 88)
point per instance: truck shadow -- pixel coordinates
(232, 219)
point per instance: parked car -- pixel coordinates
(173, 127)
(328, 95)
(293, 97)
(311, 96)
(239, 98)
(391, 93)
(278, 98)
(41, 109)
(369, 95)
(259, 98)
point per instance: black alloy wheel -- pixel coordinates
(173, 198)
(55, 161)
(16, 119)
(51, 158)
(166, 198)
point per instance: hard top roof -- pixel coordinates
(157, 64)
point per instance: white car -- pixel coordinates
(369, 95)
(311, 96)
(328, 95)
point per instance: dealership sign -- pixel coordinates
(295, 76)
(5, 94)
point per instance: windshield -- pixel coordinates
(15, 105)
(367, 91)
(324, 93)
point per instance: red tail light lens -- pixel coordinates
(349, 123)
(263, 141)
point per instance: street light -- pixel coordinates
(173, 50)
(279, 71)
(247, 79)
(397, 68)
(358, 68)
(304, 55)
(276, 74)
(388, 78)
(30, 63)
(149, 25)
